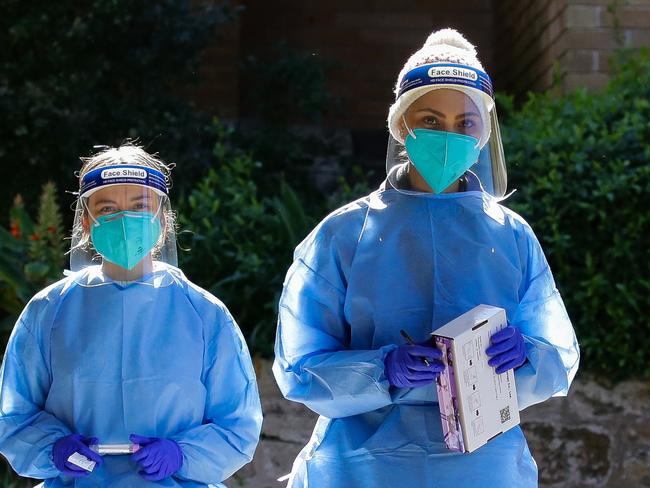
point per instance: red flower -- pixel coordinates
(35, 237)
(51, 229)
(15, 229)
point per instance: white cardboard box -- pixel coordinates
(476, 404)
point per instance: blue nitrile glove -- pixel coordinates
(68, 445)
(158, 458)
(507, 349)
(404, 366)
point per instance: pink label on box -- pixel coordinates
(448, 399)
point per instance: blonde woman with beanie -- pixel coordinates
(431, 243)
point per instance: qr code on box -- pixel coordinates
(505, 414)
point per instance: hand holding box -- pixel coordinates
(476, 403)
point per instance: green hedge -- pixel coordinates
(77, 74)
(237, 239)
(581, 164)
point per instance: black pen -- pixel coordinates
(410, 341)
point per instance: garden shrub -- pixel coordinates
(287, 131)
(32, 255)
(77, 74)
(239, 240)
(238, 244)
(581, 164)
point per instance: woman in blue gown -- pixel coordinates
(126, 350)
(432, 243)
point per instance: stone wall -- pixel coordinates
(595, 437)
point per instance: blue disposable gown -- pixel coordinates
(394, 261)
(160, 358)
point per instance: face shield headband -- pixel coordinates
(447, 74)
(123, 175)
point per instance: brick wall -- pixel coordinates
(527, 41)
(217, 81)
(523, 44)
(594, 31)
(368, 40)
(568, 42)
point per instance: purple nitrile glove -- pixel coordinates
(405, 367)
(68, 445)
(507, 350)
(158, 458)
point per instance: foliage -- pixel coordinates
(297, 80)
(77, 74)
(240, 240)
(245, 216)
(32, 254)
(581, 163)
(8, 479)
(289, 135)
(240, 243)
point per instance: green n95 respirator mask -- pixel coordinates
(441, 157)
(125, 238)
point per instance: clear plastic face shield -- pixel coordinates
(123, 222)
(444, 132)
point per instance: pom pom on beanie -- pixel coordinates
(452, 38)
(442, 46)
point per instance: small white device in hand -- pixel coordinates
(82, 461)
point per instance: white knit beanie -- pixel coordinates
(442, 46)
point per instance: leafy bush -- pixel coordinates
(76, 74)
(582, 166)
(8, 479)
(298, 82)
(32, 255)
(240, 241)
(288, 133)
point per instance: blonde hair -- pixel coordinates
(125, 154)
